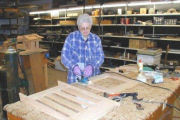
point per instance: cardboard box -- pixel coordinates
(143, 10)
(95, 20)
(106, 22)
(67, 22)
(134, 43)
(129, 12)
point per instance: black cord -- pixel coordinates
(169, 105)
(177, 96)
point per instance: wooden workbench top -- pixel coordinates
(153, 98)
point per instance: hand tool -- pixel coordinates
(118, 97)
(123, 95)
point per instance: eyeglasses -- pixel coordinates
(84, 28)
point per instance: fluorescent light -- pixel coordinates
(166, 2)
(47, 11)
(74, 8)
(178, 1)
(139, 3)
(88, 7)
(163, 2)
(113, 5)
(38, 12)
(96, 6)
(36, 18)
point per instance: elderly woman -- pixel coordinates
(82, 53)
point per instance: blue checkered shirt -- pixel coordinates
(77, 50)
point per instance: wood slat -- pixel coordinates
(66, 102)
(73, 98)
(81, 96)
(41, 107)
(57, 107)
(79, 92)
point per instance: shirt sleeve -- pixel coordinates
(99, 58)
(66, 54)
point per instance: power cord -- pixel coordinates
(177, 96)
(155, 102)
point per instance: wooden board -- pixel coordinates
(110, 83)
(66, 102)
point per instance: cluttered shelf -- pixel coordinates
(117, 15)
(52, 42)
(171, 51)
(135, 25)
(143, 38)
(123, 59)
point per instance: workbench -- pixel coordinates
(153, 99)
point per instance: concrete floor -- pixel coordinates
(55, 75)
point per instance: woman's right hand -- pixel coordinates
(77, 70)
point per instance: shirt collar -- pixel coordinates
(82, 36)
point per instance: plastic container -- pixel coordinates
(149, 59)
(140, 65)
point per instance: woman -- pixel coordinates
(82, 53)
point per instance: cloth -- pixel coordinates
(77, 50)
(88, 70)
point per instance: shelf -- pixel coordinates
(136, 49)
(133, 25)
(121, 59)
(58, 25)
(140, 15)
(64, 34)
(172, 52)
(121, 47)
(123, 15)
(62, 18)
(153, 33)
(136, 25)
(143, 38)
(51, 42)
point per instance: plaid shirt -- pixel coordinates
(77, 50)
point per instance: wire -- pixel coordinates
(169, 105)
(177, 96)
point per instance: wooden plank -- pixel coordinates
(81, 95)
(65, 102)
(95, 112)
(37, 72)
(73, 99)
(56, 106)
(41, 107)
(45, 75)
(111, 83)
(63, 107)
(78, 92)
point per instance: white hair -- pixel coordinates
(84, 18)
